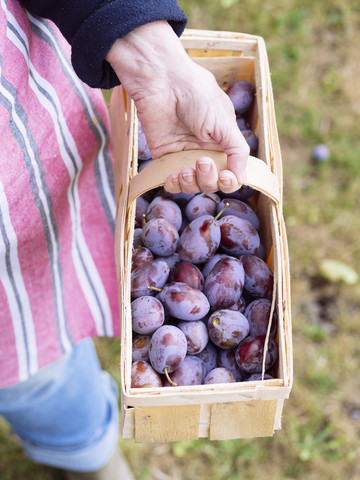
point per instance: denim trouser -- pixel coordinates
(66, 415)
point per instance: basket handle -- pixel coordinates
(258, 174)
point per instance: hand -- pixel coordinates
(180, 107)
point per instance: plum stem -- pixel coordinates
(150, 287)
(212, 198)
(221, 211)
(168, 378)
(143, 223)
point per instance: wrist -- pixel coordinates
(146, 57)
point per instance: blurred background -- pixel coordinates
(314, 56)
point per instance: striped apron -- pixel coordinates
(57, 274)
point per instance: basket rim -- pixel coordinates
(197, 394)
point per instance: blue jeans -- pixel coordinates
(66, 415)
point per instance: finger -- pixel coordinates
(206, 175)
(172, 183)
(237, 151)
(187, 179)
(233, 143)
(228, 181)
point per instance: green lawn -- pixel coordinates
(314, 57)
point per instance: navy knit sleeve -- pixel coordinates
(92, 26)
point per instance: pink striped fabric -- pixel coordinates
(57, 274)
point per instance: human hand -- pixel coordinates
(180, 107)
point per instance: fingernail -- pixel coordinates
(204, 166)
(175, 182)
(226, 182)
(188, 177)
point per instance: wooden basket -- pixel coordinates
(235, 410)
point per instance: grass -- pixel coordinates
(315, 64)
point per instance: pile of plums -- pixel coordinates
(201, 290)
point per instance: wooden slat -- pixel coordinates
(167, 424)
(227, 70)
(243, 419)
(200, 52)
(193, 396)
(258, 175)
(210, 40)
(127, 421)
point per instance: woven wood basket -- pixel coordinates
(224, 411)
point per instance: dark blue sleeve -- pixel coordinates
(92, 26)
